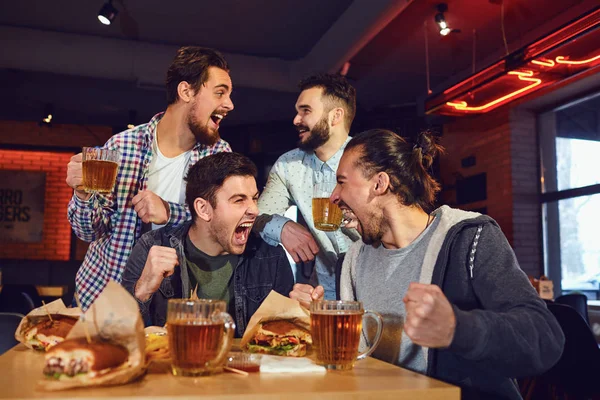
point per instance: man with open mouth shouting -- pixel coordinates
(154, 158)
(214, 254)
(456, 305)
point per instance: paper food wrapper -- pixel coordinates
(114, 317)
(276, 306)
(40, 314)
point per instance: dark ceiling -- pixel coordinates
(56, 52)
(265, 28)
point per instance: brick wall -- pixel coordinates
(56, 241)
(29, 146)
(487, 138)
(527, 229)
(505, 148)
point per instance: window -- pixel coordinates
(570, 161)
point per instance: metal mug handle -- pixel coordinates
(229, 326)
(377, 317)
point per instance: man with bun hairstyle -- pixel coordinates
(456, 305)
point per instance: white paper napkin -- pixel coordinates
(280, 364)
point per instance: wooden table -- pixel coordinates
(22, 368)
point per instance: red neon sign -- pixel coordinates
(545, 63)
(564, 60)
(522, 75)
(526, 76)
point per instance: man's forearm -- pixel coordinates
(141, 292)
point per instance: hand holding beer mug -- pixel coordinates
(99, 169)
(200, 336)
(327, 216)
(336, 327)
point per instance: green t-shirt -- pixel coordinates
(212, 274)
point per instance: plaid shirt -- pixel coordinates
(110, 222)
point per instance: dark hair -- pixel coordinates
(405, 163)
(191, 65)
(206, 177)
(337, 90)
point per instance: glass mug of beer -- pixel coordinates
(336, 327)
(200, 336)
(327, 216)
(99, 168)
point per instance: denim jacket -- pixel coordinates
(260, 269)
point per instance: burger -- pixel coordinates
(280, 337)
(45, 333)
(78, 358)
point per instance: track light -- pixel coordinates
(107, 13)
(132, 119)
(47, 116)
(441, 20)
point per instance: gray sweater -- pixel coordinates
(503, 329)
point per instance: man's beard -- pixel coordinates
(201, 132)
(372, 232)
(318, 136)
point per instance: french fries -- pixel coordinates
(157, 347)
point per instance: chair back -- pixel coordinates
(8, 325)
(576, 300)
(19, 298)
(577, 369)
(575, 375)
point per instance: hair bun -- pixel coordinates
(428, 144)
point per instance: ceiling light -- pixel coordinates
(47, 116)
(132, 119)
(107, 13)
(441, 20)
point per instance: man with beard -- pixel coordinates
(154, 158)
(215, 254)
(325, 109)
(455, 303)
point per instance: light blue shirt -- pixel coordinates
(291, 183)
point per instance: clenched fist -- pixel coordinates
(75, 176)
(306, 293)
(151, 208)
(160, 263)
(298, 241)
(430, 319)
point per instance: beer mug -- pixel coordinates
(336, 327)
(200, 336)
(327, 216)
(99, 168)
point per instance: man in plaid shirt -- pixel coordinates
(154, 159)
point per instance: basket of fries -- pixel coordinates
(157, 346)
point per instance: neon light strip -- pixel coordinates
(562, 60)
(498, 65)
(523, 76)
(545, 63)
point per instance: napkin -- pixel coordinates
(280, 364)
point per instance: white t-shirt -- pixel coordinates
(165, 176)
